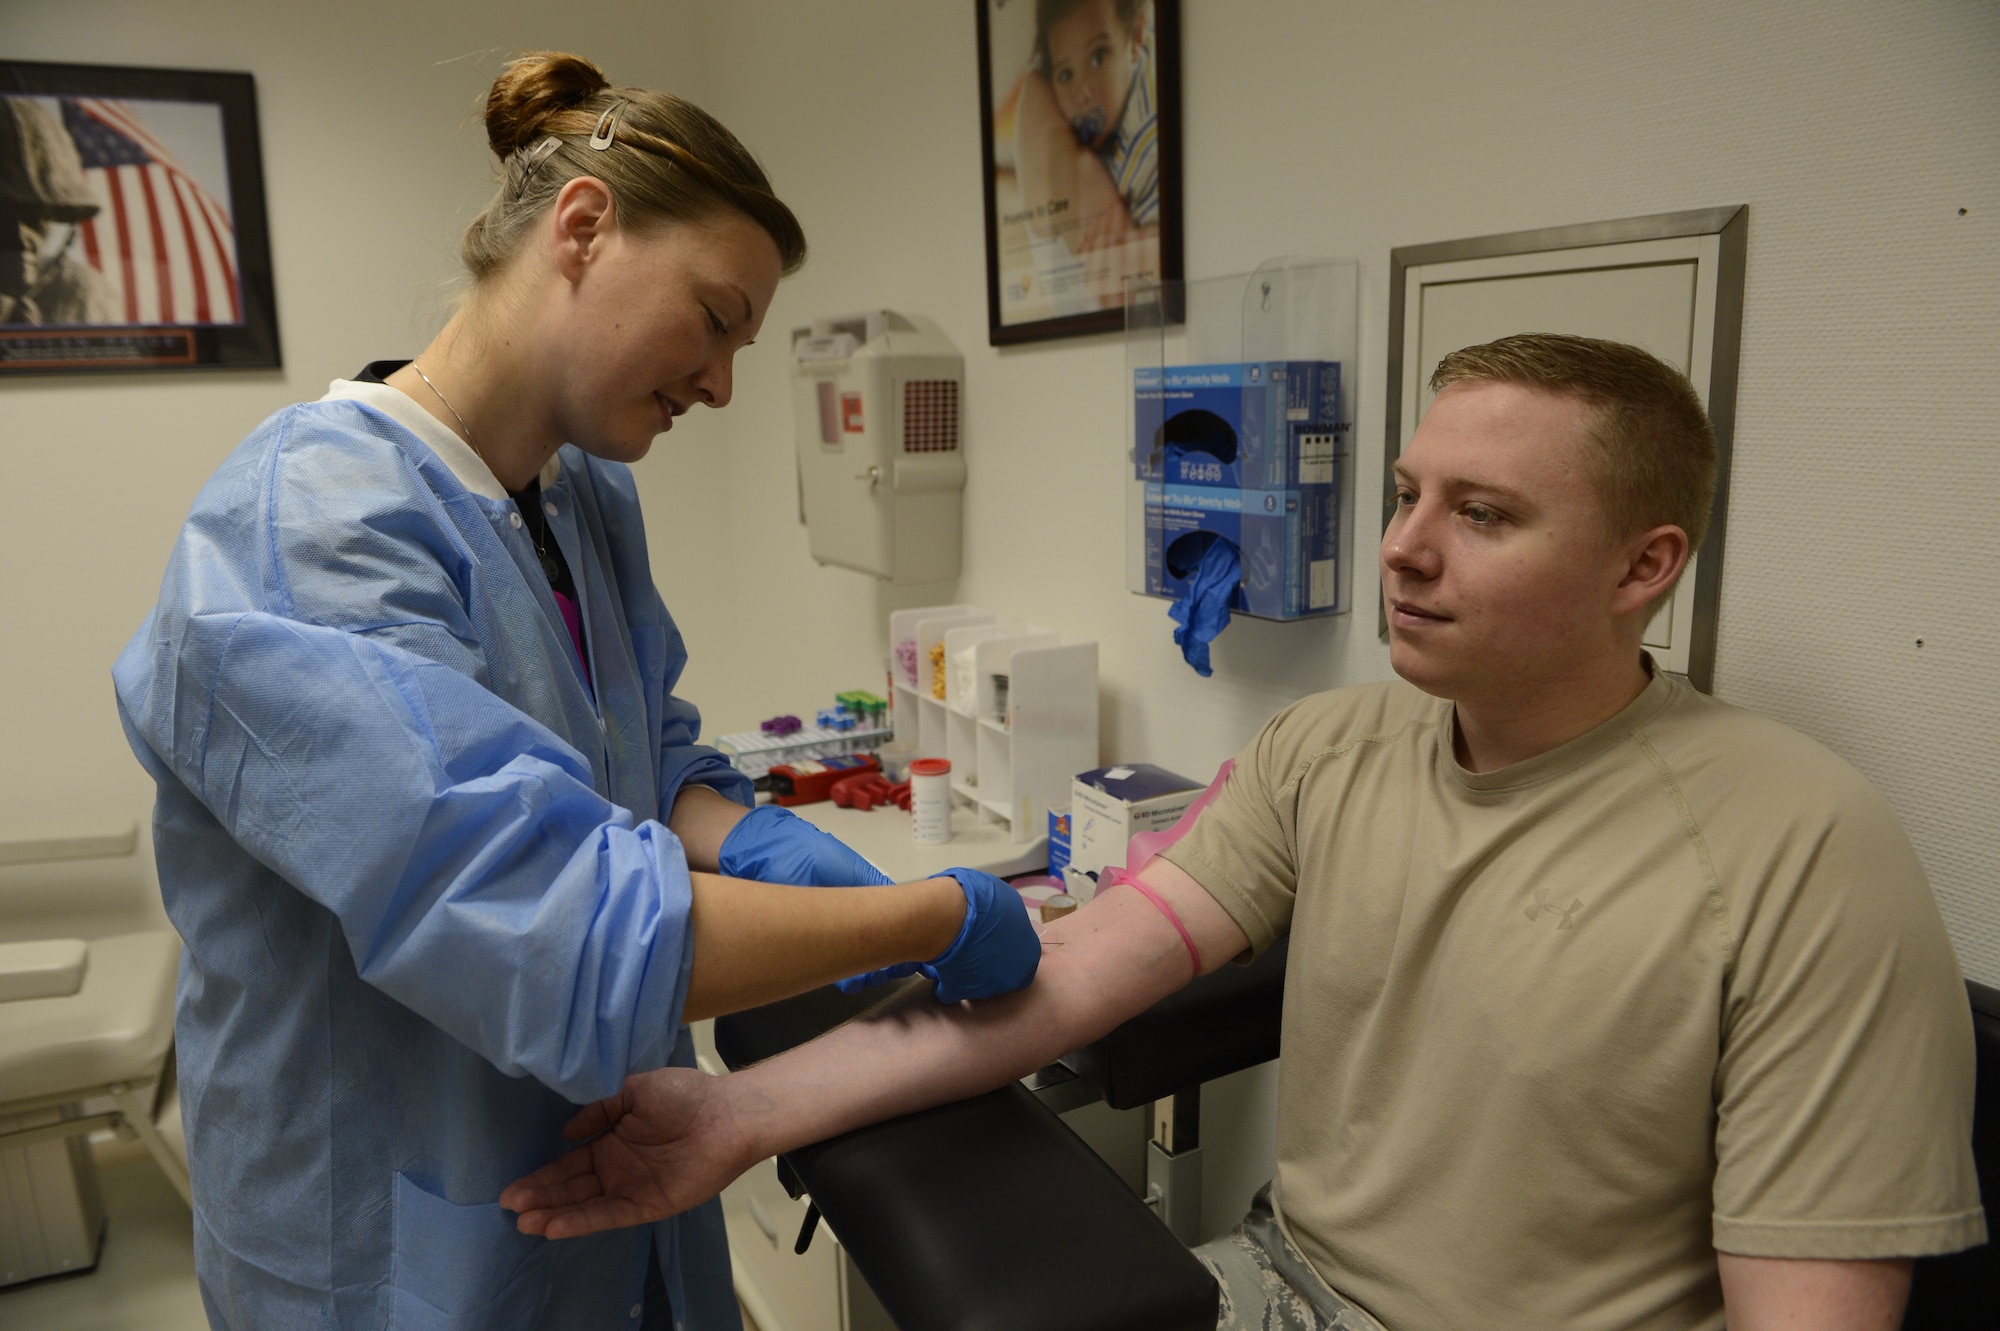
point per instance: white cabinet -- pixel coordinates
(1011, 704)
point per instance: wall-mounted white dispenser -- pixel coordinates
(879, 402)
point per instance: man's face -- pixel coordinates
(29, 247)
(1496, 572)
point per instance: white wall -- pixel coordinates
(1867, 420)
(373, 160)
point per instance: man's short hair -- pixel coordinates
(1652, 452)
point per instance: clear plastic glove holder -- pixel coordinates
(1239, 415)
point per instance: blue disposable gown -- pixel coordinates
(429, 902)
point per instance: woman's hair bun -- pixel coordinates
(533, 89)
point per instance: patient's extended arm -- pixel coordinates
(674, 1138)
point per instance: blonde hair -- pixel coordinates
(669, 160)
(1651, 452)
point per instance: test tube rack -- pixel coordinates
(1017, 725)
(754, 753)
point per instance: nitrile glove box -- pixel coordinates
(1290, 541)
(1257, 425)
(1110, 804)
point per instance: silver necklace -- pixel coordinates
(550, 568)
(464, 429)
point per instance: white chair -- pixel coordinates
(110, 1038)
(86, 1043)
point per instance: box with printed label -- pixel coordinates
(1058, 842)
(1259, 425)
(1110, 804)
(1290, 543)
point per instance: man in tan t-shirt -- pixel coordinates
(1609, 1005)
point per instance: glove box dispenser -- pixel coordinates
(1241, 411)
(878, 400)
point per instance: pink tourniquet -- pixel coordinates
(1141, 849)
(1120, 876)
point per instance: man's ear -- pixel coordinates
(1653, 560)
(580, 221)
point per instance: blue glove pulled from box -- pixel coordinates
(1202, 609)
(774, 845)
(996, 951)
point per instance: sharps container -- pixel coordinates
(930, 800)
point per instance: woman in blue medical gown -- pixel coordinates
(430, 818)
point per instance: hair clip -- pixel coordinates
(536, 155)
(607, 127)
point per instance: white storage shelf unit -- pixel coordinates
(1015, 745)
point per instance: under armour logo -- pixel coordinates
(1543, 905)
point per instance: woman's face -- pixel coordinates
(1092, 57)
(655, 321)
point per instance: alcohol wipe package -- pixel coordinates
(1258, 425)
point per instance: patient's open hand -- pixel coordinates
(658, 1147)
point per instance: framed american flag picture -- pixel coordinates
(132, 231)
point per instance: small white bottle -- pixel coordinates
(930, 800)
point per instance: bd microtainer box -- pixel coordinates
(1290, 539)
(1111, 805)
(1263, 425)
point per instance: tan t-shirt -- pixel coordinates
(1553, 1034)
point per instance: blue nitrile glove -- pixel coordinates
(996, 951)
(771, 844)
(1202, 609)
(854, 984)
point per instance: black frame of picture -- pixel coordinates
(97, 348)
(1167, 54)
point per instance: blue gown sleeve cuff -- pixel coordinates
(711, 769)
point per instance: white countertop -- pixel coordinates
(882, 836)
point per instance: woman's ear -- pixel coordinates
(581, 220)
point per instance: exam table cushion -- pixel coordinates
(117, 1027)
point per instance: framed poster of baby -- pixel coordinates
(132, 231)
(1079, 104)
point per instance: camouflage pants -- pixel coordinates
(1267, 1284)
